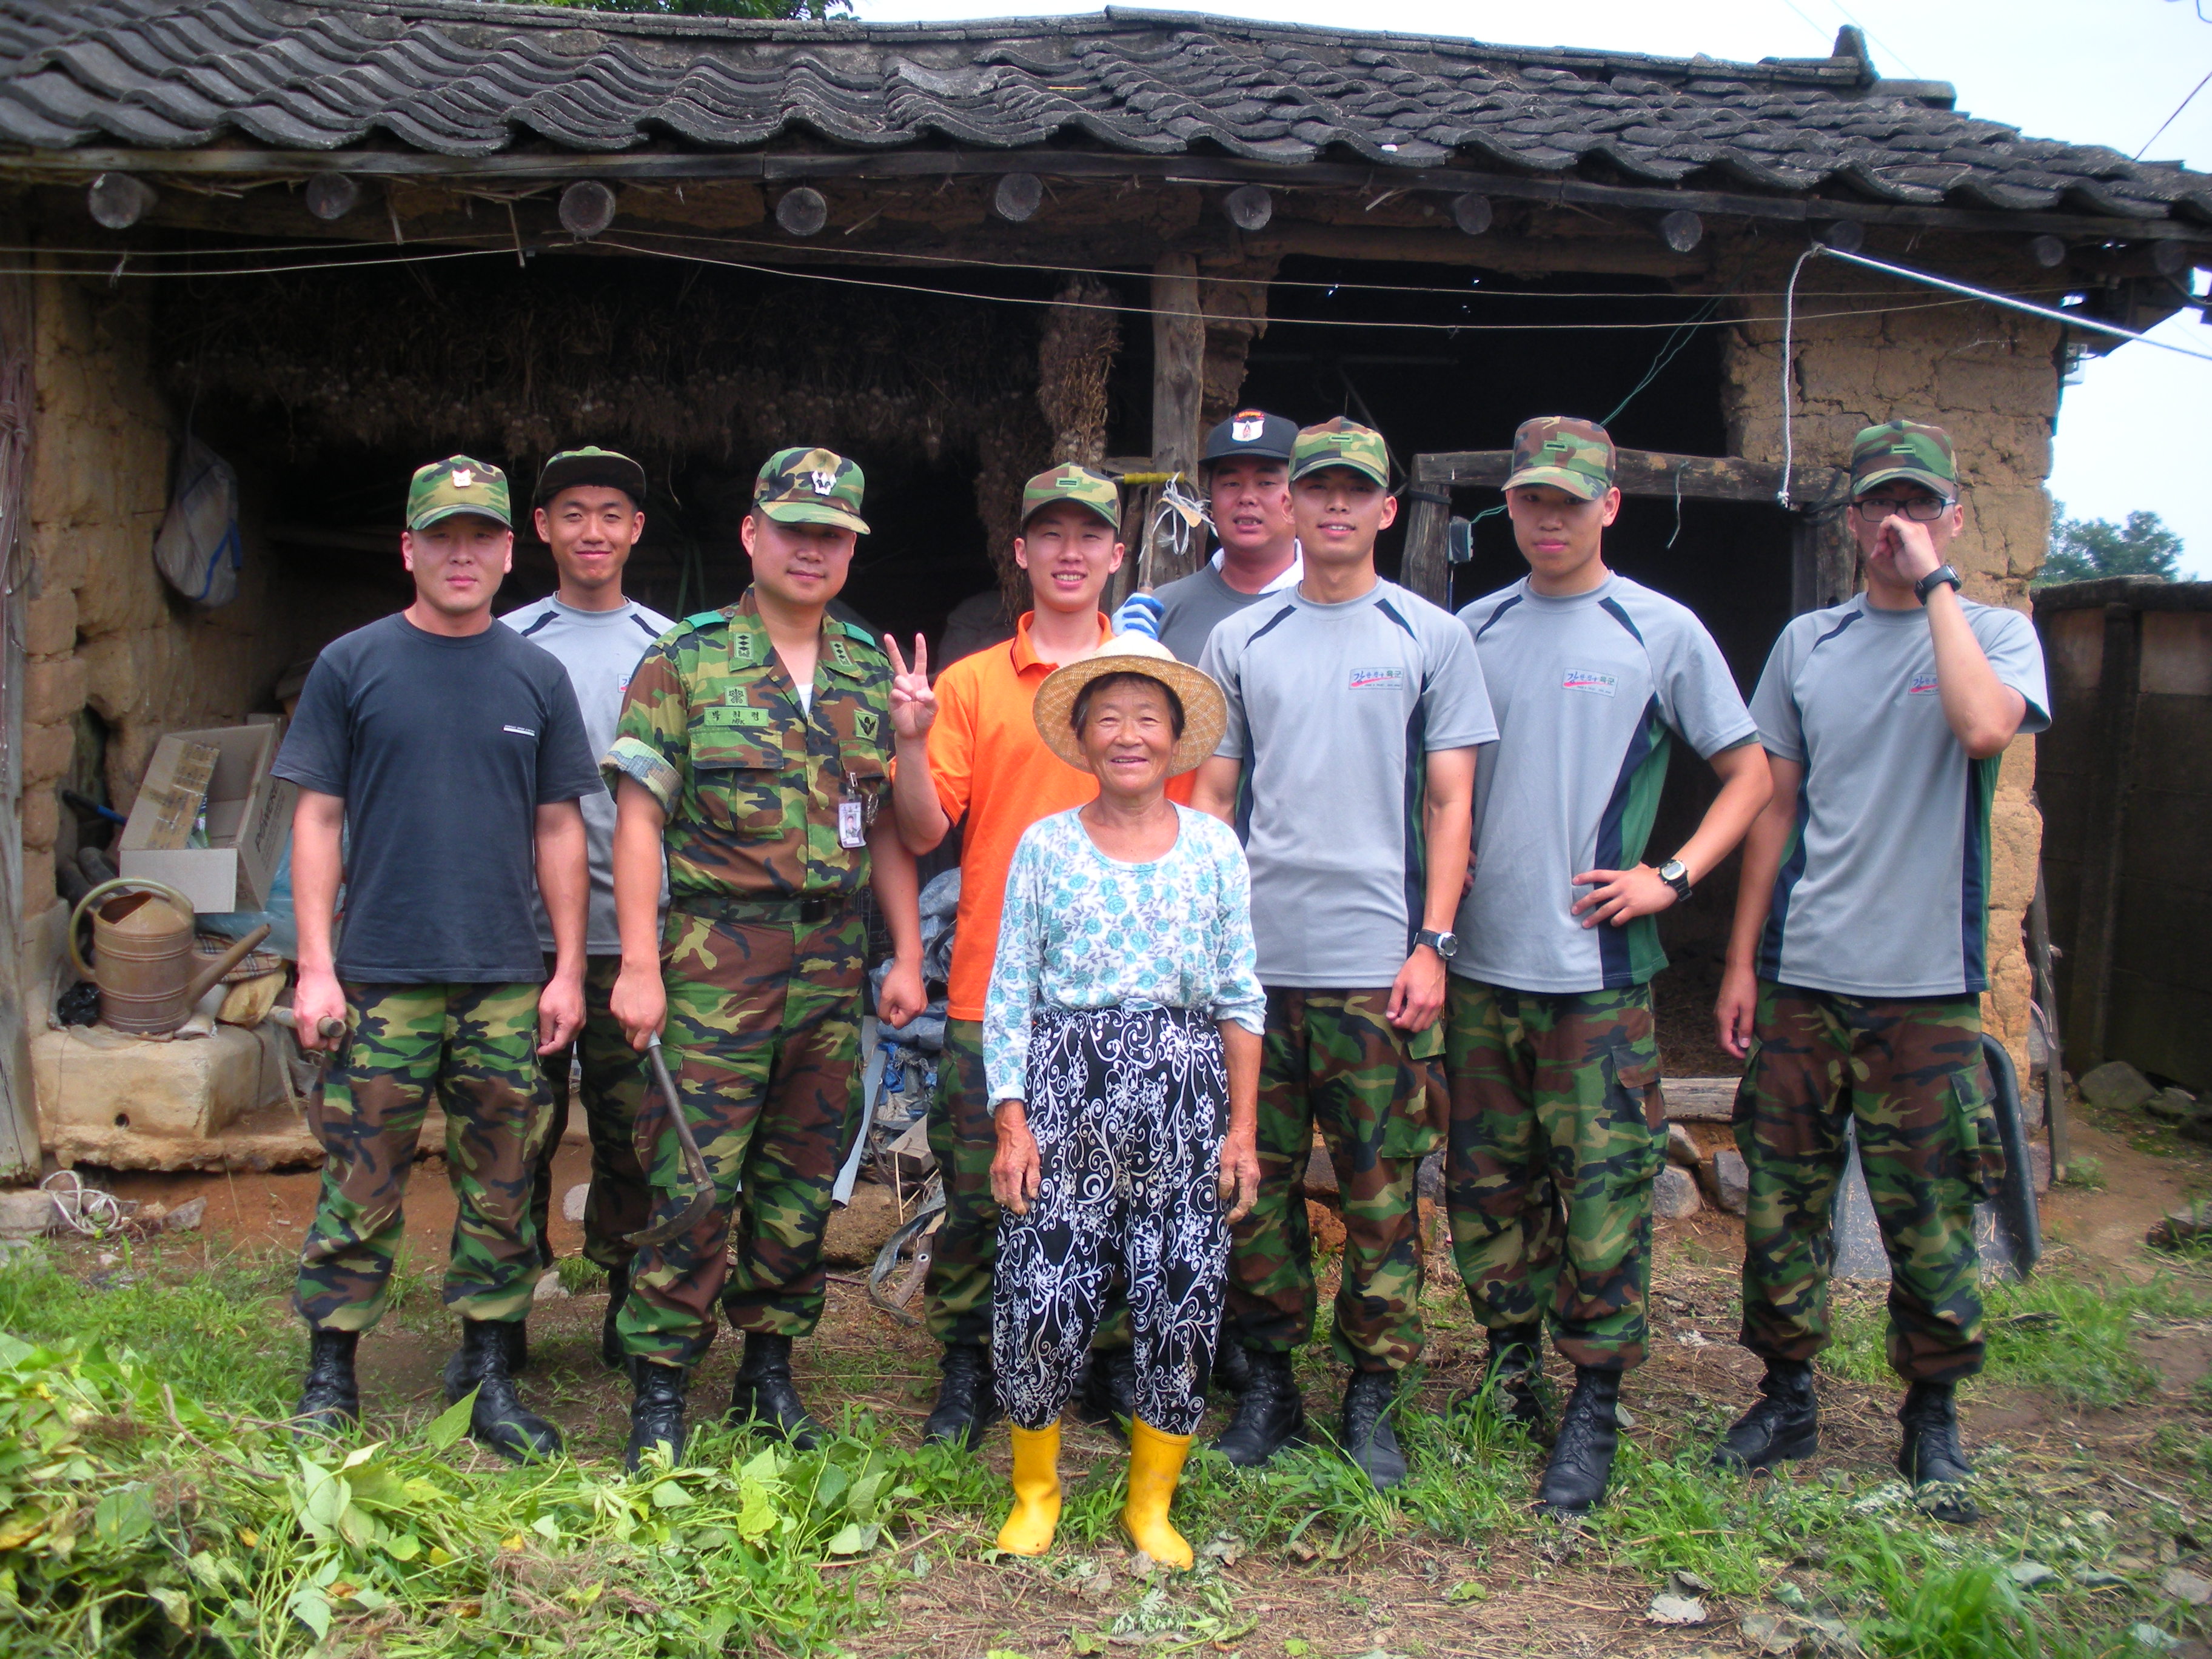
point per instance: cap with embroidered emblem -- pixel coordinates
(811, 486)
(1339, 442)
(1566, 453)
(574, 469)
(1253, 433)
(1903, 449)
(457, 484)
(1074, 483)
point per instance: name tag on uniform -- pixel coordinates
(852, 823)
(735, 714)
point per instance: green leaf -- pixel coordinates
(1296, 1647)
(1088, 1641)
(863, 1500)
(175, 1604)
(309, 1607)
(449, 1424)
(125, 1516)
(853, 1539)
(671, 1495)
(1467, 1590)
(403, 1546)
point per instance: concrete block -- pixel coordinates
(2190, 1224)
(216, 1102)
(2117, 1085)
(1731, 1182)
(1699, 1099)
(1674, 1194)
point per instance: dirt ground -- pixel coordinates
(1409, 1597)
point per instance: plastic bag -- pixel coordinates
(197, 551)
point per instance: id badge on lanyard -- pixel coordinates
(851, 815)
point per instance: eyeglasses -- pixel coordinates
(1921, 509)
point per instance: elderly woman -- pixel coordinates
(1121, 1045)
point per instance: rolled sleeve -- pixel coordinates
(651, 734)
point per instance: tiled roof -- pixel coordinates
(461, 79)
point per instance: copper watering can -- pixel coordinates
(143, 956)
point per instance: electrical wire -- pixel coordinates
(2176, 116)
(1789, 329)
(120, 270)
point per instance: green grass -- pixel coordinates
(134, 1521)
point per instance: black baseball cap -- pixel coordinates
(604, 467)
(1251, 432)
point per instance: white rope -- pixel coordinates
(1788, 330)
(86, 1210)
(1180, 513)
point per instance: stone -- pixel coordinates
(1320, 1173)
(212, 1103)
(1680, 1149)
(1429, 1178)
(2039, 1163)
(1731, 1182)
(2028, 1574)
(2171, 1105)
(1769, 1632)
(186, 1217)
(2196, 1126)
(573, 1200)
(1674, 1194)
(549, 1287)
(2116, 1085)
(26, 1213)
(1676, 1610)
(2183, 1585)
(2151, 1639)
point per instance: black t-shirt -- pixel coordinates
(443, 749)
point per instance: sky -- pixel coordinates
(2108, 73)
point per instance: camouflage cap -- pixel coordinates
(1340, 443)
(811, 486)
(456, 484)
(1576, 455)
(1074, 483)
(574, 468)
(1903, 449)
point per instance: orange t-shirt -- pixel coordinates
(990, 764)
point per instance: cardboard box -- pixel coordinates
(249, 818)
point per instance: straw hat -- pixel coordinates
(1204, 713)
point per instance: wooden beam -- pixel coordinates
(1178, 387)
(1654, 472)
(1424, 565)
(18, 1109)
(1513, 255)
(2112, 773)
(84, 163)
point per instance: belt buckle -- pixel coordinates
(813, 909)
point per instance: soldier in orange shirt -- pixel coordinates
(969, 749)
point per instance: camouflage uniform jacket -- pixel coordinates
(751, 783)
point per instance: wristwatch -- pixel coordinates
(1677, 875)
(1444, 944)
(1935, 579)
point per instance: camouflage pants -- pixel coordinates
(477, 1046)
(1910, 1074)
(1330, 1058)
(764, 1037)
(964, 1139)
(614, 1083)
(1557, 1132)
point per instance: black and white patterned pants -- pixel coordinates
(1128, 1107)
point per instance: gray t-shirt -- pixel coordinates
(1884, 890)
(1591, 692)
(600, 649)
(1191, 606)
(1332, 709)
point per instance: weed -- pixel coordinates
(2086, 1171)
(580, 1276)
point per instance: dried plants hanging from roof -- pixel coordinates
(1075, 360)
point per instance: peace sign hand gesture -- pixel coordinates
(913, 704)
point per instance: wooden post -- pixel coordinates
(2113, 771)
(18, 1110)
(1824, 560)
(1178, 386)
(2057, 1130)
(1425, 567)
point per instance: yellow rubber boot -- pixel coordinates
(1155, 1467)
(1036, 1514)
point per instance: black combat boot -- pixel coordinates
(1232, 1365)
(656, 1413)
(1269, 1415)
(498, 1419)
(1930, 1457)
(611, 1348)
(1784, 1424)
(515, 1337)
(1364, 1429)
(1108, 1399)
(1512, 1378)
(331, 1401)
(967, 1404)
(766, 1399)
(1582, 1457)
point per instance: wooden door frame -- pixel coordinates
(1823, 565)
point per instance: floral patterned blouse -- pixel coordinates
(1084, 931)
